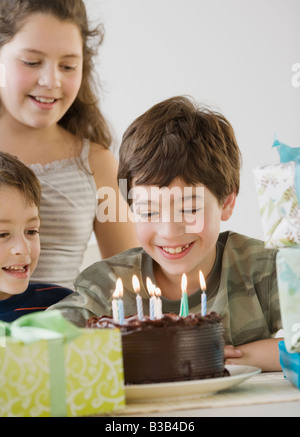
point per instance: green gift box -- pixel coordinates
(288, 278)
(49, 367)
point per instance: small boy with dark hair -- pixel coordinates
(20, 194)
(181, 164)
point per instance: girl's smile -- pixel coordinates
(44, 102)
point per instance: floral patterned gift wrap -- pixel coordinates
(278, 188)
(49, 367)
(288, 277)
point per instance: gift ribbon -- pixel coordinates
(52, 326)
(290, 154)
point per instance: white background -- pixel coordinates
(235, 55)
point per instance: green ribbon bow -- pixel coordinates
(51, 326)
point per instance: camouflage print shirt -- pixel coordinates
(242, 287)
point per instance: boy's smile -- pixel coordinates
(184, 245)
(18, 272)
(176, 252)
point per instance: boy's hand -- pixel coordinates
(263, 354)
(231, 354)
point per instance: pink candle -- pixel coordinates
(203, 296)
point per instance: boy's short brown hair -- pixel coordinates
(178, 138)
(15, 174)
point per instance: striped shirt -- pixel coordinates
(68, 210)
(37, 297)
(242, 288)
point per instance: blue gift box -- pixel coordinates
(290, 363)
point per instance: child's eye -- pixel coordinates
(69, 67)
(32, 232)
(31, 63)
(148, 216)
(191, 211)
(4, 234)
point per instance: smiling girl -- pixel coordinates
(50, 120)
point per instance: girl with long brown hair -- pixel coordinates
(50, 119)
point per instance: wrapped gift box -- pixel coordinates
(278, 190)
(290, 363)
(288, 278)
(49, 367)
(278, 204)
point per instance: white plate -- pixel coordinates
(146, 392)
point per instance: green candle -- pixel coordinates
(184, 305)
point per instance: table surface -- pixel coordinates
(265, 394)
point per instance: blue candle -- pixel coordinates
(139, 300)
(152, 307)
(121, 311)
(118, 305)
(151, 291)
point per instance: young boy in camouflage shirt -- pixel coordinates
(189, 156)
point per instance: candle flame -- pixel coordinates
(136, 284)
(118, 294)
(157, 292)
(150, 287)
(202, 281)
(184, 283)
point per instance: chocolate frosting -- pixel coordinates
(133, 323)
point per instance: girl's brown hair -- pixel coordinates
(178, 138)
(84, 118)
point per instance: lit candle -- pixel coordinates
(158, 304)
(139, 301)
(151, 290)
(203, 295)
(184, 305)
(115, 310)
(117, 303)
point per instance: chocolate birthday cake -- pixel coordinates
(169, 349)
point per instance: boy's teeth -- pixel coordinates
(16, 269)
(174, 250)
(44, 100)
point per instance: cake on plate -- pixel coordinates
(169, 349)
